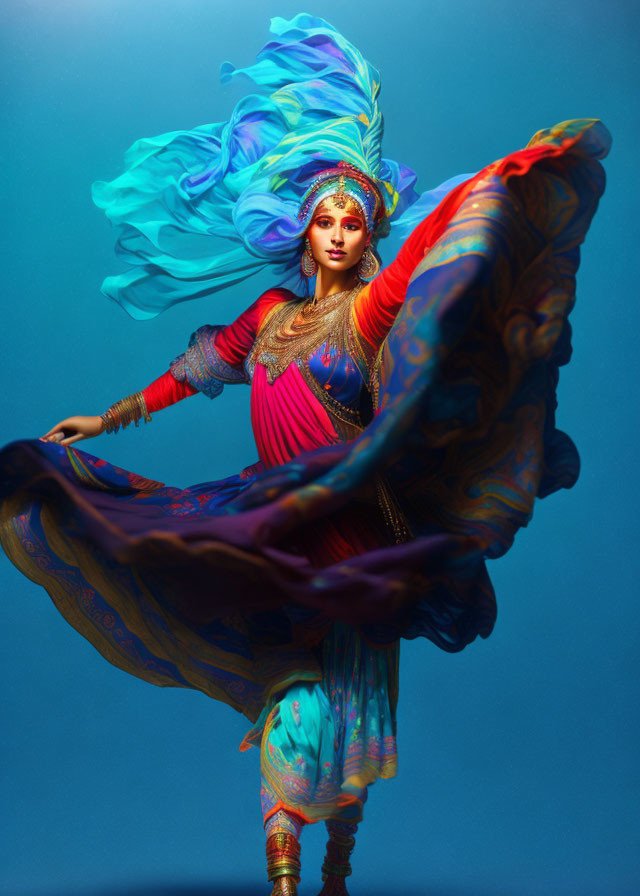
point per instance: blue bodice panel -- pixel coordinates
(340, 376)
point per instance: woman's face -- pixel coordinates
(338, 236)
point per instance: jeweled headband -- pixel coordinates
(343, 182)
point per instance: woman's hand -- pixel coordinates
(73, 429)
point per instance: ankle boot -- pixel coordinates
(336, 866)
(283, 863)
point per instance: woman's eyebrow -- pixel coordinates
(350, 219)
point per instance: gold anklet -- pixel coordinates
(283, 856)
(339, 849)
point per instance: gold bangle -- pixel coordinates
(123, 412)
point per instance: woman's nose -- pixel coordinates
(337, 238)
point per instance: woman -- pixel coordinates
(404, 421)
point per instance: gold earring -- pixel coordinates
(368, 266)
(308, 264)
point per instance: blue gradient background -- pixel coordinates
(519, 765)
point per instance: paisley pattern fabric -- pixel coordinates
(54, 539)
(323, 744)
(217, 586)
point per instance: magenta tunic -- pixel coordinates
(287, 418)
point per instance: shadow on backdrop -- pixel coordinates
(221, 889)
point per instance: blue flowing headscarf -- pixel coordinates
(198, 210)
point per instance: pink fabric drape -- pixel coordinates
(286, 417)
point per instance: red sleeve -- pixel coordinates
(166, 390)
(378, 303)
(234, 341)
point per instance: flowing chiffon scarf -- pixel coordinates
(202, 587)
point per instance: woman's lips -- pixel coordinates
(335, 253)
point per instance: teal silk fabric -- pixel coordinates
(199, 209)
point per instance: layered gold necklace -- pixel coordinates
(293, 331)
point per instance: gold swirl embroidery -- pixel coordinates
(297, 328)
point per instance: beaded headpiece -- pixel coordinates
(343, 182)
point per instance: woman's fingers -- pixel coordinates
(60, 438)
(53, 436)
(67, 426)
(57, 428)
(71, 439)
(72, 429)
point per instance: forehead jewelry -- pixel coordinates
(342, 183)
(340, 198)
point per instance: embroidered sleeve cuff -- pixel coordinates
(202, 365)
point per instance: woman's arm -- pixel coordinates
(166, 390)
(378, 304)
(215, 356)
